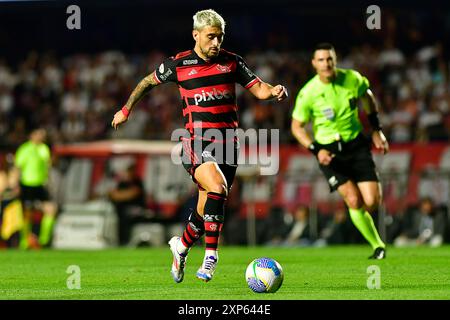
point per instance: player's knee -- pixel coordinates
(218, 187)
(372, 203)
(353, 201)
(372, 200)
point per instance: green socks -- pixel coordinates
(364, 223)
(24, 233)
(46, 229)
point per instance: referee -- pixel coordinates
(33, 160)
(329, 101)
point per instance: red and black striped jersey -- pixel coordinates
(207, 88)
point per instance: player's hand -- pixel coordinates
(324, 156)
(279, 92)
(118, 119)
(380, 141)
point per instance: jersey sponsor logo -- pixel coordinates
(222, 68)
(161, 68)
(212, 95)
(328, 113)
(164, 76)
(189, 62)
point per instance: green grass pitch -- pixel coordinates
(309, 273)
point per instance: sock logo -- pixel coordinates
(213, 226)
(194, 227)
(213, 218)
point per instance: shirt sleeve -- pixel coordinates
(18, 159)
(301, 108)
(362, 84)
(244, 76)
(166, 71)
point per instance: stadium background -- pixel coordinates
(72, 82)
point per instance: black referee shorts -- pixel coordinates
(196, 152)
(353, 162)
(30, 194)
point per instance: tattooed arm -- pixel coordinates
(146, 84)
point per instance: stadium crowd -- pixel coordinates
(75, 96)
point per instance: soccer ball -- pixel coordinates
(264, 275)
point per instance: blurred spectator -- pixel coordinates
(107, 183)
(291, 232)
(423, 225)
(128, 197)
(431, 125)
(299, 233)
(11, 214)
(402, 120)
(338, 230)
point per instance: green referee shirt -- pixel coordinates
(33, 160)
(332, 107)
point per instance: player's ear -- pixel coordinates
(195, 34)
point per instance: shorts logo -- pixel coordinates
(207, 154)
(161, 68)
(333, 181)
(189, 62)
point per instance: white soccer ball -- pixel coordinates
(264, 275)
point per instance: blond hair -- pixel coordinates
(208, 18)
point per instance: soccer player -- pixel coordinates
(33, 161)
(206, 78)
(330, 101)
